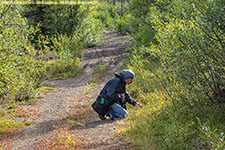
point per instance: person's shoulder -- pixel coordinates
(115, 79)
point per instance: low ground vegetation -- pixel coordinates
(178, 49)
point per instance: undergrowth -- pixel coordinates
(177, 58)
(99, 70)
(62, 139)
(170, 121)
(159, 126)
(9, 127)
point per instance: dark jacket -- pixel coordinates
(112, 93)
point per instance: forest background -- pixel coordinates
(177, 54)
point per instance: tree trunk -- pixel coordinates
(121, 12)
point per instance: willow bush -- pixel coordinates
(107, 13)
(20, 73)
(36, 48)
(191, 47)
(179, 77)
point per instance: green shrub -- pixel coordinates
(90, 27)
(29, 122)
(67, 47)
(8, 126)
(107, 14)
(56, 49)
(21, 74)
(101, 68)
(179, 77)
(159, 126)
(61, 69)
(189, 55)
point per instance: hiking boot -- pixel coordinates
(111, 117)
(101, 117)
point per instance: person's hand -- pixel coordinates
(139, 104)
(123, 96)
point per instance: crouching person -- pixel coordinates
(112, 99)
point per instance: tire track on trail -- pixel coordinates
(72, 95)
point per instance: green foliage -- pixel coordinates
(73, 21)
(157, 125)
(53, 19)
(101, 68)
(66, 46)
(145, 79)
(107, 13)
(124, 23)
(179, 75)
(90, 27)
(66, 61)
(11, 105)
(136, 22)
(49, 47)
(2, 113)
(212, 138)
(7, 126)
(20, 74)
(29, 122)
(61, 69)
(191, 48)
(45, 89)
(62, 139)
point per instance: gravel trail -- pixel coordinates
(73, 95)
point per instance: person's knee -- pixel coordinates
(125, 114)
(119, 111)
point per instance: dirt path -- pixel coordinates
(71, 99)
